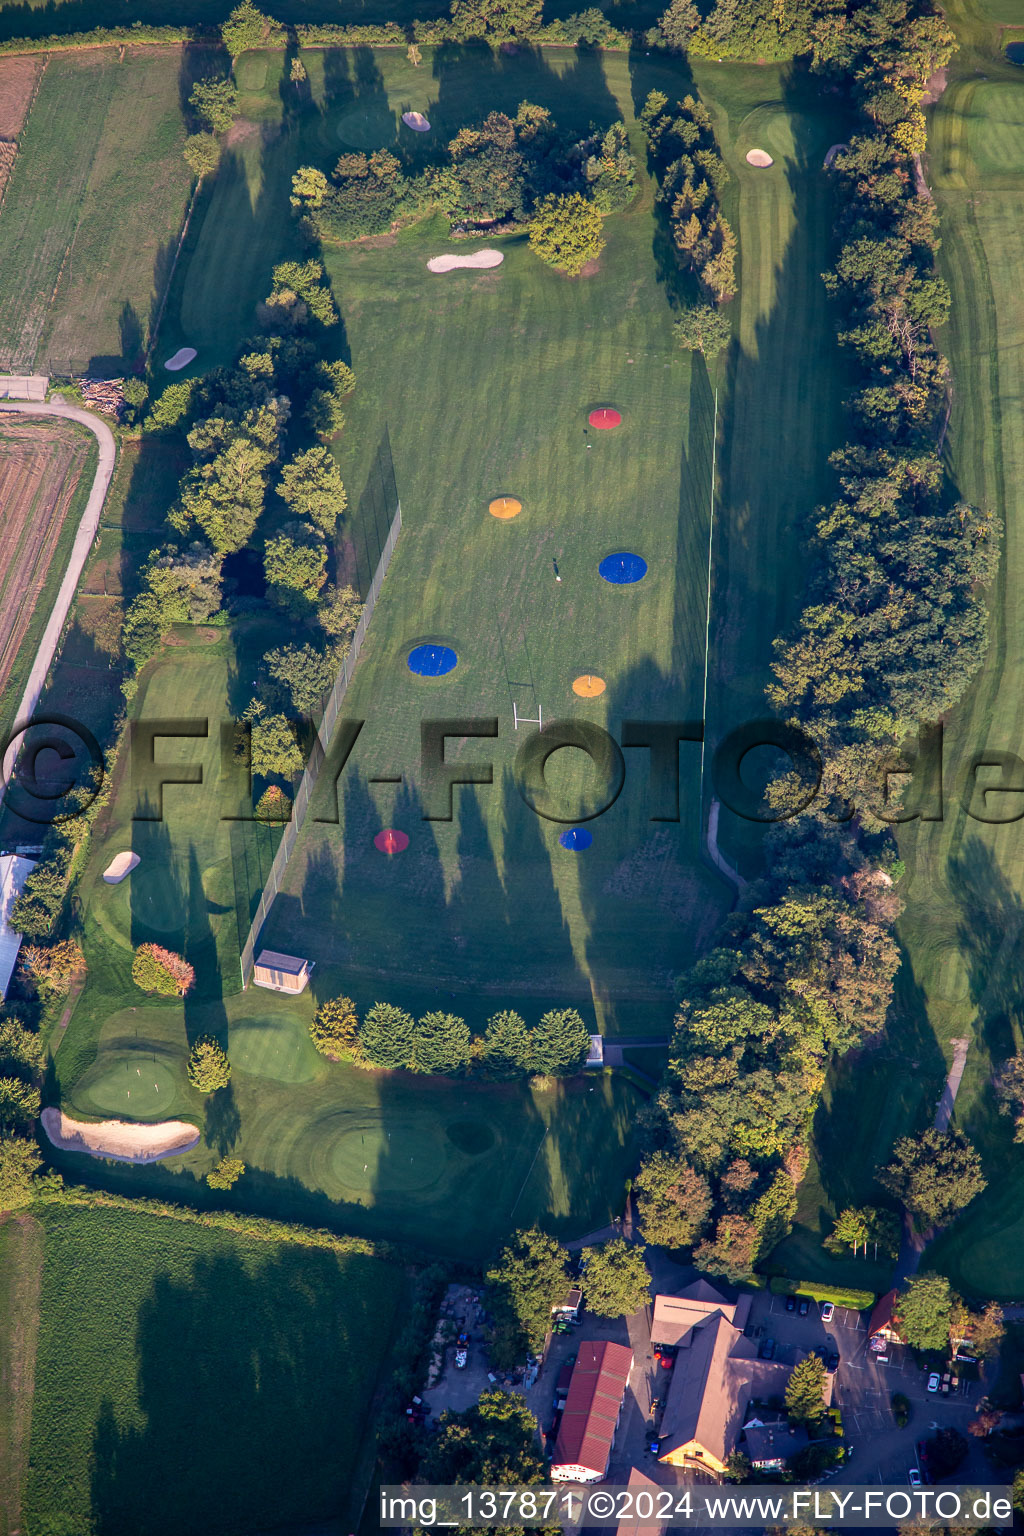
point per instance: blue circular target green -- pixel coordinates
(432, 660)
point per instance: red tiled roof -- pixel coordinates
(592, 1407)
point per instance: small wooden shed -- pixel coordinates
(281, 973)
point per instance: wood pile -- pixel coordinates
(104, 395)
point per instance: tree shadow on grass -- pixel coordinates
(236, 1367)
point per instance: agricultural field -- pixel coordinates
(164, 1346)
(963, 930)
(92, 211)
(21, 1262)
(46, 470)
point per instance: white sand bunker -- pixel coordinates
(181, 359)
(120, 867)
(759, 157)
(416, 121)
(122, 1140)
(837, 149)
(476, 259)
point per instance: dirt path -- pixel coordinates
(21, 1269)
(76, 564)
(719, 860)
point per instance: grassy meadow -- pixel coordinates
(92, 212)
(181, 1370)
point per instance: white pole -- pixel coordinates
(707, 620)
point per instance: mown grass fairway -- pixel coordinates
(963, 929)
(182, 1370)
(92, 211)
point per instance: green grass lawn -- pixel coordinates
(963, 929)
(183, 1370)
(92, 213)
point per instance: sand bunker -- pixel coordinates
(837, 149)
(416, 121)
(122, 1140)
(759, 157)
(181, 359)
(476, 259)
(120, 867)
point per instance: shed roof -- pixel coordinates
(592, 1407)
(274, 961)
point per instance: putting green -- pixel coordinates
(354, 1156)
(251, 72)
(155, 900)
(769, 127)
(995, 129)
(143, 1084)
(274, 1045)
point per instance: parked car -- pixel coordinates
(832, 1363)
(933, 1381)
(915, 1477)
(805, 1305)
(767, 1350)
(790, 1303)
(828, 1311)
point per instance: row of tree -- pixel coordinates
(442, 1043)
(691, 175)
(894, 632)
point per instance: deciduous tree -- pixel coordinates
(565, 232)
(215, 102)
(923, 1310)
(312, 486)
(528, 1280)
(673, 1201)
(935, 1174)
(616, 1280)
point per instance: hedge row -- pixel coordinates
(263, 1228)
(857, 1301)
(387, 34)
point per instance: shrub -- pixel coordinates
(335, 1027)
(19, 1161)
(273, 805)
(227, 1173)
(202, 154)
(247, 27)
(156, 969)
(52, 966)
(208, 1065)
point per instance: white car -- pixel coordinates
(827, 1311)
(933, 1381)
(915, 1477)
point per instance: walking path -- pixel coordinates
(914, 1242)
(76, 564)
(719, 860)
